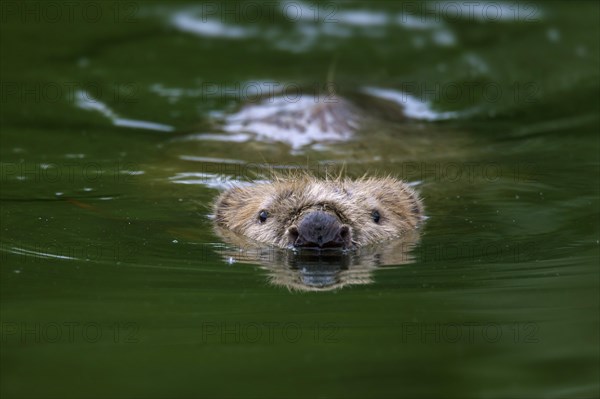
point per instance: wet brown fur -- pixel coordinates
(288, 199)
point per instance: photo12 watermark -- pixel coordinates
(481, 251)
(65, 12)
(472, 11)
(50, 92)
(438, 171)
(469, 333)
(71, 332)
(74, 170)
(268, 332)
(269, 11)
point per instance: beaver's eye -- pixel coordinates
(376, 216)
(262, 216)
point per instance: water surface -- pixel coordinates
(114, 284)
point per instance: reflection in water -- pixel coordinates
(313, 28)
(314, 270)
(304, 119)
(297, 121)
(86, 101)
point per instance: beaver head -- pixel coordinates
(307, 212)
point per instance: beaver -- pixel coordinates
(332, 213)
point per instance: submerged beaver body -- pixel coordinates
(307, 212)
(301, 119)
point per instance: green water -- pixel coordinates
(113, 283)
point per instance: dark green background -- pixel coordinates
(511, 249)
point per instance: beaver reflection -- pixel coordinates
(318, 269)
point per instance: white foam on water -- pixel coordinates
(413, 107)
(413, 22)
(203, 26)
(194, 158)
(363, 18)
(38, 254)
(311, 23)
(137, 124)
(211, 180)
(233, 138)
(443, 37)
(86, 101)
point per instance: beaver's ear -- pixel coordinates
(227, 204)
(398, 196)
(416, 203)
(409, 196)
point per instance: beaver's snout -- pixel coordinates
(320, 229)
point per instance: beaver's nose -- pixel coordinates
(320, 229)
